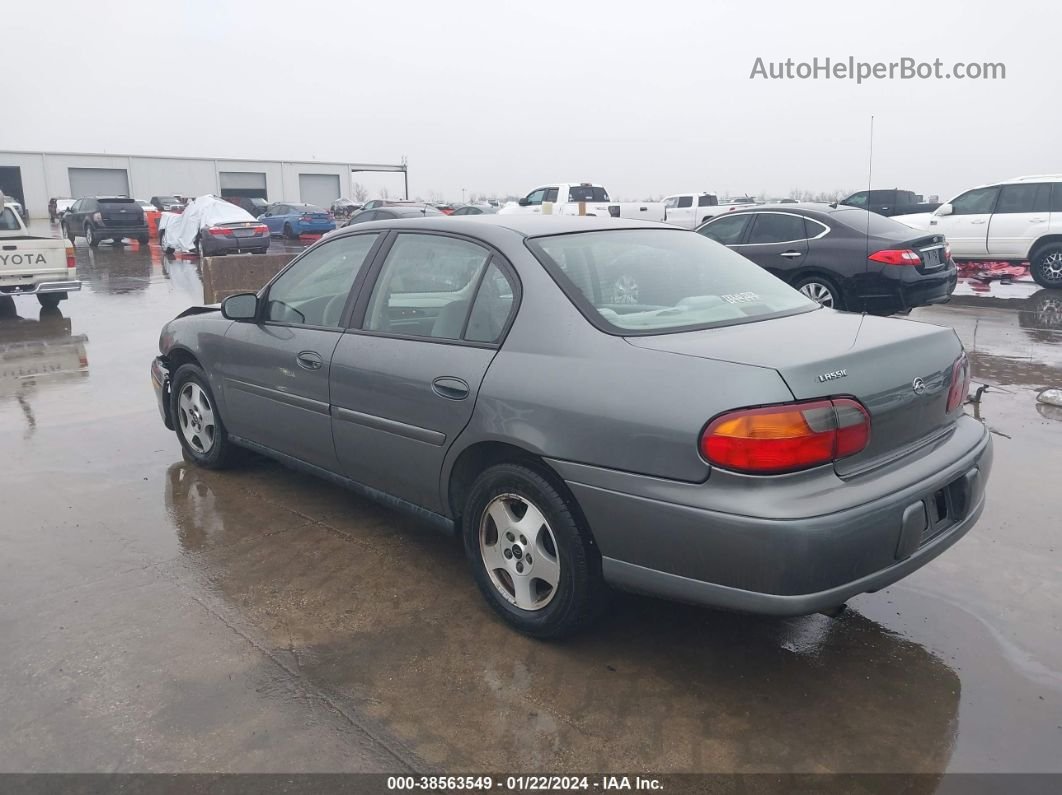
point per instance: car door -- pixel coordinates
(1021, 216)
(404, 382)
(777, 242)
(275, 369)
(966, 226)
(272, 218)
(682, 214)
(70, 218)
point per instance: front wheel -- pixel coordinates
(532, 557)
(289, 233)
(68, 234)
(1046, 266)
(90, 236)
(198, 420)
(821, 290)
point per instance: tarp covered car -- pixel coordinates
(211, 226)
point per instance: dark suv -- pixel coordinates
(106, 217)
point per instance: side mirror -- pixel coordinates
(242, 306)
(944, 209)
(523, 202)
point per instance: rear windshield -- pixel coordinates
(404, 212)
(8, 221)
(308, 208)
(871, 223)
(587, 193)
(118, 201)
(648, 281)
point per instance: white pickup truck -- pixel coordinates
(690, 210)
(29, 265)
(582, 198)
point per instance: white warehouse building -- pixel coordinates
(35, 177)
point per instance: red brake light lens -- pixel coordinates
(71, 258)
(220, 231)
(897, 256)
(261, 229)
(961, 373)
(786, 438)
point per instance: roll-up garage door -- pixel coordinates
(251, 184)
(319, 189)
(98, 182)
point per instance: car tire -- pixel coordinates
(199, 249)
(289, 233)
(90, 236)
(68, 234)
(821, 290)
(1046, 266)
(143, 239)
(50, 300)
(572, 590)
(197, 420)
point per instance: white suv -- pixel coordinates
(1016, 221)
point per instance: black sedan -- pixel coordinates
(840, 256)
(392, 213)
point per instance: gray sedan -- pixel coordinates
(723, 440)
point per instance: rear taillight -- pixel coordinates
(786, 438)
(219, 231)
(960, 383)
(261, 229)
(71, 259)
(897, 256)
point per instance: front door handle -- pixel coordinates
(309, 360)
(981, 221)
(450, 388)
(792, 254)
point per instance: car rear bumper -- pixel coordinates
(315, 229)
(160, 380)
(869, 532)
(234, 245)
(897, 289)
(122, 231)
(41, 288)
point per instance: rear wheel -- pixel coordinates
(50, 300)
(90, 236)
(1046, 266)
(198, 420)
(143, 240)
(68, 234)
(532, 557)
(821, 290)
(199, 248)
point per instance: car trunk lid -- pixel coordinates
(899, 370)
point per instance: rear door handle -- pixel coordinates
(450, 388)
(792, 254)
(309, 360)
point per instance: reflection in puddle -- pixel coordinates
(37, 354)
(383, 613)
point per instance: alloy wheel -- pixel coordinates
(1051, 267)
(519, 551)
(196, 417)
(819, 292)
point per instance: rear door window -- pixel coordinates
(1028, 198)
(588, 193)
(770, 228)
(426, 287)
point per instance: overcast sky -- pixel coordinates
(647, 98)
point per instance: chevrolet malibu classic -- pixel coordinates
(724, 440)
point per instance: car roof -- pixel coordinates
(494, 225)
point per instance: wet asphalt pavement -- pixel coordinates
(156, 617)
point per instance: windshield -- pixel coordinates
(587, 193)
(8, 221)
(630, 281)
